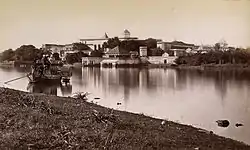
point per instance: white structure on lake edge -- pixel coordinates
(164, 59)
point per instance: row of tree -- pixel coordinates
(23, 53)
(216, 57)
(134, 45)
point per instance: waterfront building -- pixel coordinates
(63, 50)
(54, 48)
(116, 52)
(175, 48)
(203, 49)
(89, 61)
(164, 59)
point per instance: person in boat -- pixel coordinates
(36, 62)
(45, 61)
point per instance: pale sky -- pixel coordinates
(65, 21)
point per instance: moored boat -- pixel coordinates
(49, 71)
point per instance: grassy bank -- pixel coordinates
(40, 121)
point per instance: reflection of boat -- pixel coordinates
(66, 90)
(45, 70)
(40, 87)
(49, 88)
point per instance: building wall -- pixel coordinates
(143, 51)
(121, 61)
(161, 60)
(68, 47)
(128, 61)
(155, 59)
(91, 60)
(159, 45)
(168, 46)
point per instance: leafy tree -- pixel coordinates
(156, 52)
(112, 43)
(75, 57)
(80, 46)
(96, 53)
(8, 55)
(71, 58)
(131, 45)
(216, 57)
(151, 43)
(28, 53)
(56, 56)
(217, 46)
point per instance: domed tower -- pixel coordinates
(126, 33)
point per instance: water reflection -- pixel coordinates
(50, 88)
(197, 97)
(66, 90)
(126, 80)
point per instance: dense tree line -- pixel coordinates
(133, 45)
(216, 57)
(23, 53)
(8, 55)
(75, 57)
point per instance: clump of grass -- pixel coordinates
(81, 95)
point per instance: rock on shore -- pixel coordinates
(38, 121)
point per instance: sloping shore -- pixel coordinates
(38, 121)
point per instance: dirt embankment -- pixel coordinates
(29, 121)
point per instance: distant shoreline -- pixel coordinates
(216, 67)
(202, 67)
(171, 66)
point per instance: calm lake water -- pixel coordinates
(198, 98)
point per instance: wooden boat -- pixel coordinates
(53, 72)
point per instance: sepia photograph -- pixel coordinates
(125, 74)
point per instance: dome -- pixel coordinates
(126, 31)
